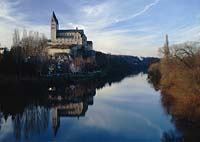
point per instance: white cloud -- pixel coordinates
(73, 25)
(94, 18)
(95, 11)
(116, 43)
(7, 22)
(11, 20)
(101, 24)
(5, 10)
(146, 8)
(184, 34)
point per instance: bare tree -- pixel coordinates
(185, 53)
(16, 38)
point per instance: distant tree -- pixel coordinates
(16, 49)
(33, 44)
(165, 50)
(16, 38)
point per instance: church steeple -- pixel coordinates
(54, 27)
(54, 17)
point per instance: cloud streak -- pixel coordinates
(10, 20)
(146, 8)
(5, 11)
(132, 27)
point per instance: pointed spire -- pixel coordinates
(54, 17)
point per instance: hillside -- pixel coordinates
(123, 64)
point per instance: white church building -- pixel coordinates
(64, 40)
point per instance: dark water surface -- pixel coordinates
(124, 110)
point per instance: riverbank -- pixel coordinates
(106, 66)
(177, 77)
(177, 99)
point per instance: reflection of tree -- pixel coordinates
(30, 114)
(172, 136)
(189, 129)
(17, 126)
(33, 120)
(1, 117)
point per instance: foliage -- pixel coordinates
(26, 55)
(121, 65)
(179, 81)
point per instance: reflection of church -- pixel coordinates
(70, 101)
(64, 100)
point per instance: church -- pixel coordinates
(69, 37)
(69, 49)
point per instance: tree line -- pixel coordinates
(26, 54)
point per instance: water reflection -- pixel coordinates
(185, 131)
(29, 108)
(33, 117)
(69, 101)
(33, 120)
(111, 109)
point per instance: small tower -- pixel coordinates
(166, 47)
(54, 27)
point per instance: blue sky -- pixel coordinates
(131, 27)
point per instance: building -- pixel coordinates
(63, 40)
(70, 44)
(66, 37)
(90, 45)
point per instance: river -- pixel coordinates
(125, 110)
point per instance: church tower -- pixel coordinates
(54, 27)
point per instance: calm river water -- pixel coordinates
(126, 110)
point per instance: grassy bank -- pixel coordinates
(178, 78)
